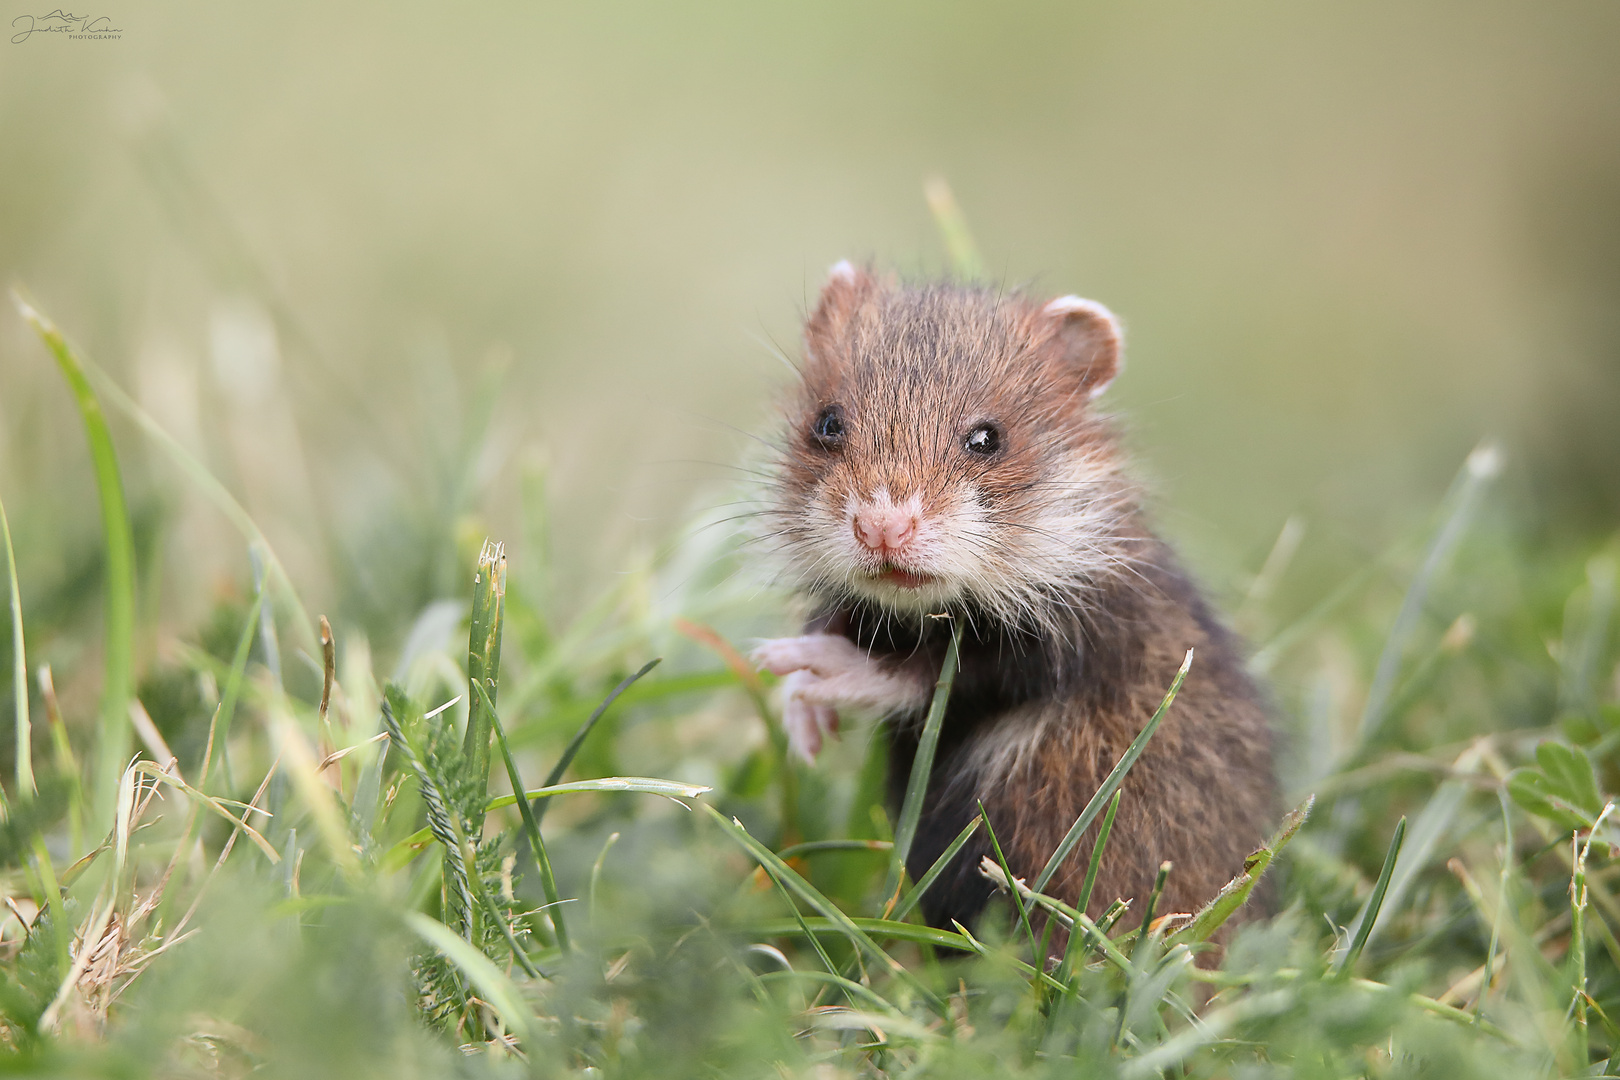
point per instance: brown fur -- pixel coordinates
(1076, 618)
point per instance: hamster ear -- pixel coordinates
(1086, 338)
(847, 285)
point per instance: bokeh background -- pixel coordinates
(389, 271)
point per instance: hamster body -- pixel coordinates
(944, 456)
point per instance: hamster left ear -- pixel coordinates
(1087, 339)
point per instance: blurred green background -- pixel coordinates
(1348, 242)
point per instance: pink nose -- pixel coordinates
(885, 530)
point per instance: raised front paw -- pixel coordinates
(806, 720)
(826, 672)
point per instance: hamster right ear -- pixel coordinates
(847, 285)
(1087, 339)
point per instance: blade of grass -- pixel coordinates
(849, 986)
(1478, 470)
(922, 766)
(531, 826)
(328, 667)
(1152, 904)
(67, 765)
(1018, 901)
(492, 983)
(19, 676)
(645, 785)
(303, 767)
(877, 928)
(903, 908)
(596, 874)
(219, 730)
(578, 740)
(1429, 827)
(1075, 948)
(1233, 895)
(1026, 970)
(114, 741)
(810, 895)
(484, 665)
(815, 942)
(1501, 902)
(578, 710)
(1369, 911)
(267, 618)
(217, 806)
(1097, 850)
(813, 846)
(54, 904)
(1113, 780)
(1577, 923)
(1071, 918)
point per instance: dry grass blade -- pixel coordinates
(218, 806)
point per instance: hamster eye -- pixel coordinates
(828, 428)
(983, 439)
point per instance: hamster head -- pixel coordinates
(943, 450)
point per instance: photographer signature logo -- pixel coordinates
(76, 27)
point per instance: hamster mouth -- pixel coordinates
(905, 579)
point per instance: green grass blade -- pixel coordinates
(268, 642)
(220, 730)
(578, 740)
(813, 846)
(211, 489)
(1232, 897)
(812, 896)
(113, 743)
(848, 986)
(912, 898)
(1018, 901)
(798, 917)
(876, 928)
(531, 826)
(1481, 467)
(492, 983)
(922, 766)
(1369, 911)
(1097, 850)
(484, 665)
(576, 711)
(1152, 904)
(19, 675)
(596, 875)
(1112, 782)
(645, 785)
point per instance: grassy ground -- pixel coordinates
(306, 870)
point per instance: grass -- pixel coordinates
(328, 884)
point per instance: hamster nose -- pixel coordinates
(885, 530)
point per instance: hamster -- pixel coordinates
(944, 455)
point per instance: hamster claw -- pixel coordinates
(805, 721)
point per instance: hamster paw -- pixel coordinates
(826, 672)
(806, 721)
